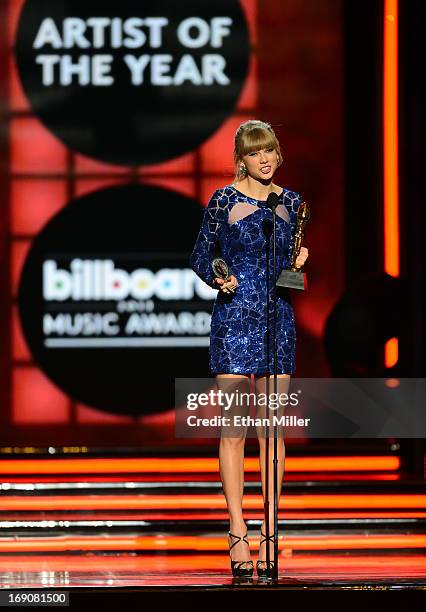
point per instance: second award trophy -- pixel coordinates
(220, 268)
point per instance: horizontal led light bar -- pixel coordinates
(207, 502)
(208, 543)
(191, 465)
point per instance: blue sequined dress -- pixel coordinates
(239, 225)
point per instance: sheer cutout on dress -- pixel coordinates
(243, 209)
(282, 212)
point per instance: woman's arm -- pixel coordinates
(209, 235)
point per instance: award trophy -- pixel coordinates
(295, 278)
(220, 268)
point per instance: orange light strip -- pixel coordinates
(181, 478)
(218, 515)
(391, 352)
(390, 138)
(170, 568)
(191, 465)
(208, 502)
(208, 543)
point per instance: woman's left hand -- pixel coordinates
(302, 257)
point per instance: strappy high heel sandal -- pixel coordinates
(236, 566)
(265, 572)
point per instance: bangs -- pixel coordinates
(257, 139)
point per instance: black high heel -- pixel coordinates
(266, 572)
(237, 570)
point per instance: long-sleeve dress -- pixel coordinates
(240, 227)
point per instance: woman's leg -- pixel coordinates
(264, 388)
(231, 462)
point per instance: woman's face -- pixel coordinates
(261, 165)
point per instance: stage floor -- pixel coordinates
(208, 570)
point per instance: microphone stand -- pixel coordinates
(272, 203)
(267, 231)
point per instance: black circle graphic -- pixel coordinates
(132, 83)
(88, 284)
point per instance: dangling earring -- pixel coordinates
(243, 169)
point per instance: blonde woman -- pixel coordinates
(237, 219)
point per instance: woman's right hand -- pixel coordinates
(226, 286)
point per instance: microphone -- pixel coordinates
(272, 201)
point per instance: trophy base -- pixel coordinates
(292, 280)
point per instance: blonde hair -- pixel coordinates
(253, 135)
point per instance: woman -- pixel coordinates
(238, 221)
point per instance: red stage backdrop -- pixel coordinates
(276, 61)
